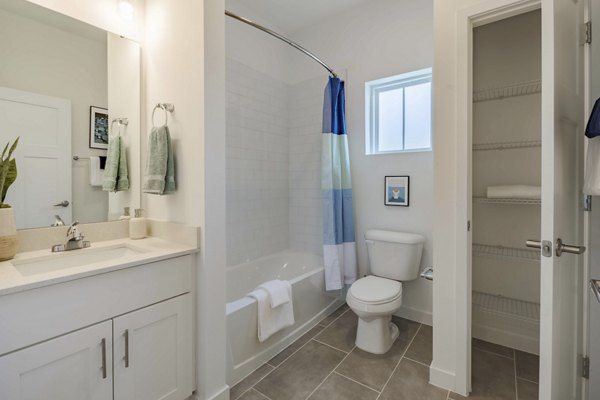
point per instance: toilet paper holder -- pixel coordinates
(427, 273)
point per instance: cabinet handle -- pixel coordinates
(126, 348)
(103, 343)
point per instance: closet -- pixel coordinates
(506, 176)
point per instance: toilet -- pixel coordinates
(395, 257)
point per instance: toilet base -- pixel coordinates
(376, 335)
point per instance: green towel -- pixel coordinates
(116, 177)
(159, 175)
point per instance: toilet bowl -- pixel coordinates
(394, 257)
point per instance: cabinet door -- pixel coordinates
(154, 352)
(76, 366)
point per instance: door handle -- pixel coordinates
(64, 203)
(567, 248)
(126, 358)
(103, 343)
(595, 285)
(544, 245)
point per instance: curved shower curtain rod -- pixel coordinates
(282, 38)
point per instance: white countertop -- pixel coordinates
(150, 249)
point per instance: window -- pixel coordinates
(399, 113)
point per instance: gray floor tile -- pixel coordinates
(331, 317)
(342, 333)
(374, 370)
(337, 387)
(527, 390)
(528, 366)
(253, 395)
(493, 348)
(410, 381)
(493, 377)
(292, 348)
(249, 381)
(421, 348)
(300, 374)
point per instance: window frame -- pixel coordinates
(373, 89)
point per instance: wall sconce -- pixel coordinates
(126, 9)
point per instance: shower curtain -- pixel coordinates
(339, 247)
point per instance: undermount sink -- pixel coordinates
(74, 258)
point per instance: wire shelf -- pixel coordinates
(526, 202)
(498, 304)
(507, 145)
(499, 93)
(486, 250)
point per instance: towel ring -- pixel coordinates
(120, 122)
(167, 108)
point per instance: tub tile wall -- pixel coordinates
(306, 113)
(257, 160)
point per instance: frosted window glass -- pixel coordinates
(390, 120)
(417, 114)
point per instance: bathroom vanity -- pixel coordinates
(113, 321)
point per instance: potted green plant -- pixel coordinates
(8, 228)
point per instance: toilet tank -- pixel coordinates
(394, 255)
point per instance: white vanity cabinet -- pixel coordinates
(75, 366)
(152, 349)
(122, 335)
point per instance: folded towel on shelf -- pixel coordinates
(272, 319)
(279, 291)
(591, 182)
(96, 171)
(116, 175)
(159, 174)
(514, 192)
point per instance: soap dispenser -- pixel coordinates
(126, 215)
(137, 225)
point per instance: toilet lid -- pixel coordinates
(372, 289)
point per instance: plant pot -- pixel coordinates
(8, 234)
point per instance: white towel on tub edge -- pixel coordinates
(272, 320)
(280, 292)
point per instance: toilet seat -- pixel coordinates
(374, 290)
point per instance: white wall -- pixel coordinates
(379, 39)
(70, 63)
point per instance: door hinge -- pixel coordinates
(587, 203)
(585, 367)
(469, 226)
(588, 32)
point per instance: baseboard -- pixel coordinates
(415, 314)
(441, 378)
(507, 338)
(222, 394)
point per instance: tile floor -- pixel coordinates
(324, 364)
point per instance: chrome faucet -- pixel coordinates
(75, 241)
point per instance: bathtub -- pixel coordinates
(311, 304)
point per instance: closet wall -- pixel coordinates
(506, 151)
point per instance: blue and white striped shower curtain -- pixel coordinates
(339, 247)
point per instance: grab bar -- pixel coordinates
(428, 274)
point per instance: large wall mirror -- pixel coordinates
(66, 87)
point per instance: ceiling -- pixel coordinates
(293, 15)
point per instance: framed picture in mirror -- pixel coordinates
(98, 128)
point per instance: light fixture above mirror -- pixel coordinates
(126, 9)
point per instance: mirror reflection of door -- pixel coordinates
(43, 155)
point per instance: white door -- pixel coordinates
(43, 155)
(152, 346)
(77, 366)
(562, 215)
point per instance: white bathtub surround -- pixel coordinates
(311, 303)
(272, 319)
(514, 192)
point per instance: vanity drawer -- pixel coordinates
(40, 314)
